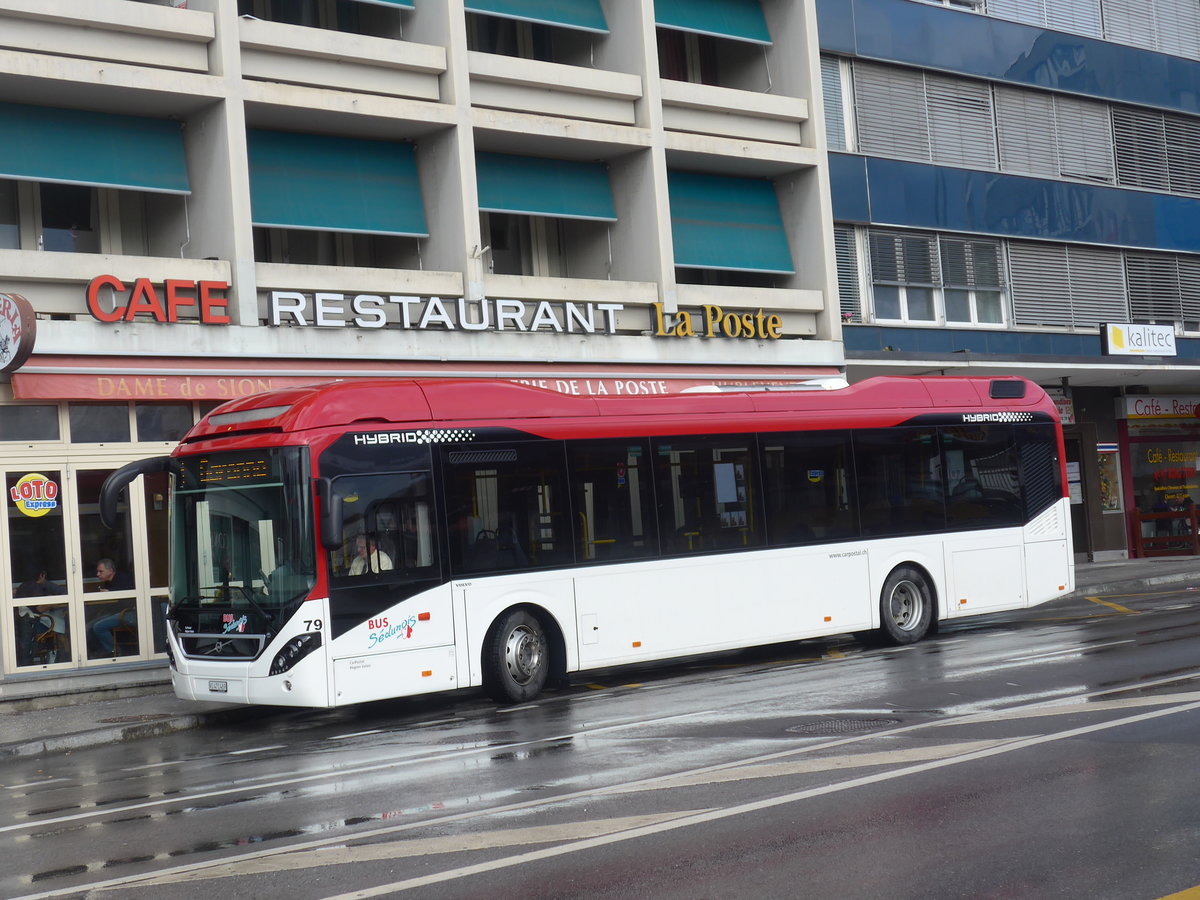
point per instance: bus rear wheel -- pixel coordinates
(905, 606)
(516, 658)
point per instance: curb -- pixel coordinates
(1131, 585)
(95, 737)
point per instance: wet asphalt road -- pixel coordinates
(1050, 753)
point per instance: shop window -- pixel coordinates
(163, 422)
(707, 494)
(112, 628)
(42, 633)
(613, 499)
(98, 423)
(807, 487)
(10, 230)
(70, 218)
(100, 543)
(29, 423)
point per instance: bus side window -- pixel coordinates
(507, 506)
(983, 476)
(612, 500)
(707, 493)
(807, 487)
(899, 477)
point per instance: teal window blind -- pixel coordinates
(583, 15)
(324, 183)
(74, 146)
(741, 20)
(533, 186)
(723, 222)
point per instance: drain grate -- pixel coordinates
(841, 726)
(125, 720)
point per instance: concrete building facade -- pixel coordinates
(201, 199)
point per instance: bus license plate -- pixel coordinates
(218, 687)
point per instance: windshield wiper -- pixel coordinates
(249, 595)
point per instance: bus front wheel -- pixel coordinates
(516, 658)
(905, 606)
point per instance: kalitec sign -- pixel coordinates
(337, 310)
(175, 300)
(1128, 339)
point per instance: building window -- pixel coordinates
(69, 217)
(545, 246)
(349, 16)
(29, 423)
(99, 423)
(704, 59)
(300, 247)
(10, 227)
(920, 278)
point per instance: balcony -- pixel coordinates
(552, 89)
(728, 113)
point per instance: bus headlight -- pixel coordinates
(294, 651)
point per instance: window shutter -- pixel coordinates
(1074, 16)
(960, 122)
(970, 263)
(1183, 154)
(890, 108)
(1128, 22)
(1097, 285)
(903, 258)
(1085, 143)
(1026, 128)
(835, 120)
(1031, 12)
(1153, 286)
(1189, 287)
(1178, 27)
(1141, 148)
(847, 272)
(1040, 289)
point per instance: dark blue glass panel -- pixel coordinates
(916, 195)
(954, 41)
(848, 185)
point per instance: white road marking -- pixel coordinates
(743, 809)
(479, 840)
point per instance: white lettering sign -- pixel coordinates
(332, 310)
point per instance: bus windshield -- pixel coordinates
(242, 542)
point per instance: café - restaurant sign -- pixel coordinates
(18, 327)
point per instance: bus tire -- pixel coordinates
(516, 658)
(905, 606)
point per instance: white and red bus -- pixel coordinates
(368, 539)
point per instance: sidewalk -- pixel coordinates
(50, 715)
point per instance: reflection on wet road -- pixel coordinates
(1049, 742)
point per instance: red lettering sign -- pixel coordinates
(147, 300)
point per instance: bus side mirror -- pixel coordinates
(110, 491)
(331, 514)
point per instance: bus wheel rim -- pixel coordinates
(906, 605)
(523, 654)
